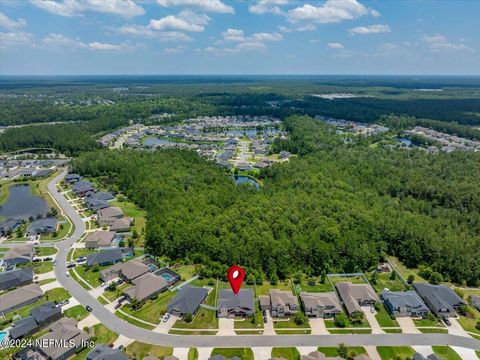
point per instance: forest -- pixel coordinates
(335, 207)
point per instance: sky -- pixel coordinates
(80, 37)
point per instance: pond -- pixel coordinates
(241, 179)
(21, 203)
(152, 141)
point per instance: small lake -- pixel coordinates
(152, 141)
(241, 179)
(21, 204)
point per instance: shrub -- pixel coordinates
(188, 317)
(341, 320)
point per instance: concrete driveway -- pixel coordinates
(164, 327)
(50, 286)
(226, 326)
(268, 328)
(318, 326)
(262, 353)
(408, 327)
(181, 353)
(204, 353)
(372, 320)
(457, 329)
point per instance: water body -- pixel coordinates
(404, 141)
(155, 141)
(241, 179)
(21, 204)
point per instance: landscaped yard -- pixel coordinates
(333, 351)
(330, 324)
(46, 251)
(392, 352)
(383, 281)
(242, 353)
(132, 211)
(138, 350)
(133, 321)
(469, 322)
(383, 318)
(289, 324)
(41, 267)
(115, 294)
(265, 288)
(203, 319)
(153, 310)
(193, 354)
(90, 275)
(104, 335)
(404, 271)
(318, 286)
(290, 353)
(446, 353)
(57, 294)
(64, 228)
(185, 271)
(77, 312)
(428, 322)
(353, 279)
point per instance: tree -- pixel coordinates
(342, 351)
(188, 317)
(373, 278)
(462, 310)
(357, 317)
(259, 278)
(393, 275)
(341, 320)
(135, 304)
(300, 318)
(274, 279)
(131, 244)
(121, 243)
(436, 278)
(477, 326)
(135, 234)
(410, 279)
(250, 279)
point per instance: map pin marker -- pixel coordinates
(235, 275)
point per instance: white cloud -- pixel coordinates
(184, 21)
(267, 6)
(216, 6)
(438, 42)
(15, 38)
(69, 8)
(335, 45)
(107, 47)
(233, 35)
(263, 36)
(332, 11)
(284, 29)
(244, 43)
(11, 24)
(59, 40)
(372, 29)
(175, 50)
(375, 13)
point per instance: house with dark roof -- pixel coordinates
(283, 303)
(102, 195)
(82, 188)
(127, 271)
(40, 317)
(99, 239)
(16, 278)
(106, 257)
(7, 227)
(72, 178)
(187, 301)
(121, 225)
(441, 300)
(96, 204)
(404, 303)
(146, 287)
(107, 216)
(230, 305)
(103, 352)
(320, 305)
(20, 254)
(42, 226)
(354, 296)
(19, 298)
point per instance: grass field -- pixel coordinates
(290, 353)
(384, 282)
(242, 353)
(349, 331)
(133, 321)
(333, 351)
(113, 295)
(265, 288)
(403, 270)
(153, 309)
(104, 335)
(428, 322)
(383, 318)
(77, 312)
(392, 352)
(138, 350)
(89, 275)
(185, 271)
(46, 251)
(42, 267)
(433, 330)
(253, 322)
(446, 353)
(352, 279)
(203, 319)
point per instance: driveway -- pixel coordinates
(204, 353)
(89, 321)
(457, 329)
(50, 286)
(262, 353)
(408, 327)
(164, 327)
(268, 328)
(318, 326)
(226, 327)
(372, 320)
(181, 353)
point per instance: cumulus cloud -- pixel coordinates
(175, 50)
(334, 45)
(438, 42)
(332, 11)
(267, 6)
(244, 43)
(60, 40)
(11, 24)
(70, 8)
(15, 38)
(372, 29)
(215, 6)
(184, 21)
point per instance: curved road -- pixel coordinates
(122, 327)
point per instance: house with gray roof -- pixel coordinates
(101, 195)
(230, 305)
(404, 303)
(121, 225)
(354, 296)
(106, 257)
(103, 352)
(320, 305)
(317, 355)
(96, 204)
(7, 227)
(15, 278)
(20, 254)
(42, 226)
(107, 216)
(441, 300)
(146, 287)
(99, 239)
(19, 298)
(40, 317)
(128, 271)
(72, 178)
(82, 188)
(187, 301)
(283, 303)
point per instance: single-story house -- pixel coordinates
(170, 276)
(127, 271)
(103, 352)
(82, 188)
(40, 317)
(230, 305)
(7, 227)
(441, 300)
(476, 301)
(43, 226)
(244, 166)
(187, 301)
(284, 155)
(283, 303)
(121, 225)
(19, 298)
(95, 204)
(20, 254)
(72, 178)
(106, 257)
(102, 195)
(354, 296)
(317, 355)
(404, 303)
(15, 278)
(107, 216)
(146, 287)
(99, 239)
(320, 305)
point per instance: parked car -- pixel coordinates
(71, 265)
(372, 310)
(117, 306)
(36, 259)
(166, 317)
(88, 308)
(264, 319)
(122, 299)
(54, 262)
(67, 274)
(121, 347)
(446, 321)
(48, 258)
(65, 302)
(264, 312)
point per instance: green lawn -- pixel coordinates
(104, 335)
(350, 331)
(77, 312)
(193, 354)
(446, 353)
(332, 351)
(384, 282)
(469, 321)
(153, 310)
(46, 251)
(46, 281)
(185, 271)
(242, 353)
(383, 318)
(353, 279)
(203, 319)
(89, 275)
(289, 324)
(428, 322)
(393, 352)
(133, 321)
(113, 295)
(64, 229)
(290, 353)
(132, 211)
(57, 294)
(253, 322)
(433, 330)
(138, 350)
(318, 287)
(41, 267)
(404, 271)
(330, 324)
(265, 288)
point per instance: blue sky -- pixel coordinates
(49, 37)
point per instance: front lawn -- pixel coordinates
(434, 322)
(252, 322)
(192, 354)
(446, 353)
(289, 324)
(57, 294)
(46, 251)
(104, 335)
(138, 350)
(41, 267)
(290, 353)
(383, 318)
(333, 351)
(394, 352)
(153, 310)
(77, 312)
(90, 275)
(242, 353)
(133, 321)
(203, 319)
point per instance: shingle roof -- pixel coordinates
(22, 327)
(244, 299)
(352, 293)
(282, 297)
(402, 299)
(101, 257)
(438, 296)
(103, 352)
(19, 252)
(100, 238)
(145, 286)
(45, 311)
(188, 299)
(19, 296)
(19, 275)
(109, 212)
(42, 225)
(328, 299)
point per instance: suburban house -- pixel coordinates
(95, 204)
(7, 227)
(441, 300)
(146, 287)
(354, 296)
(72, 178)
(283, 303)
(15, 278)
(63, 332)
(40, 317)
(284, 155)
(317, 355)
(127, 271)
(101, 195)
(20, 254)
(106, 257)
(264, 301)
(19, 298)
(320, 305)
(107, 216)
(404, 303)
(99, 239)
(187, 301)
(476, 301)
(121, 225)
(82, 188)
(42, 226)
(418, 356)
(230, 305)
(103, 352)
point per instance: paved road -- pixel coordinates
(206, 341)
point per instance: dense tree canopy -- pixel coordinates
(335, 207)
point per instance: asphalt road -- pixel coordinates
(122, 327)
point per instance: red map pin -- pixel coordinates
(235, 275)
